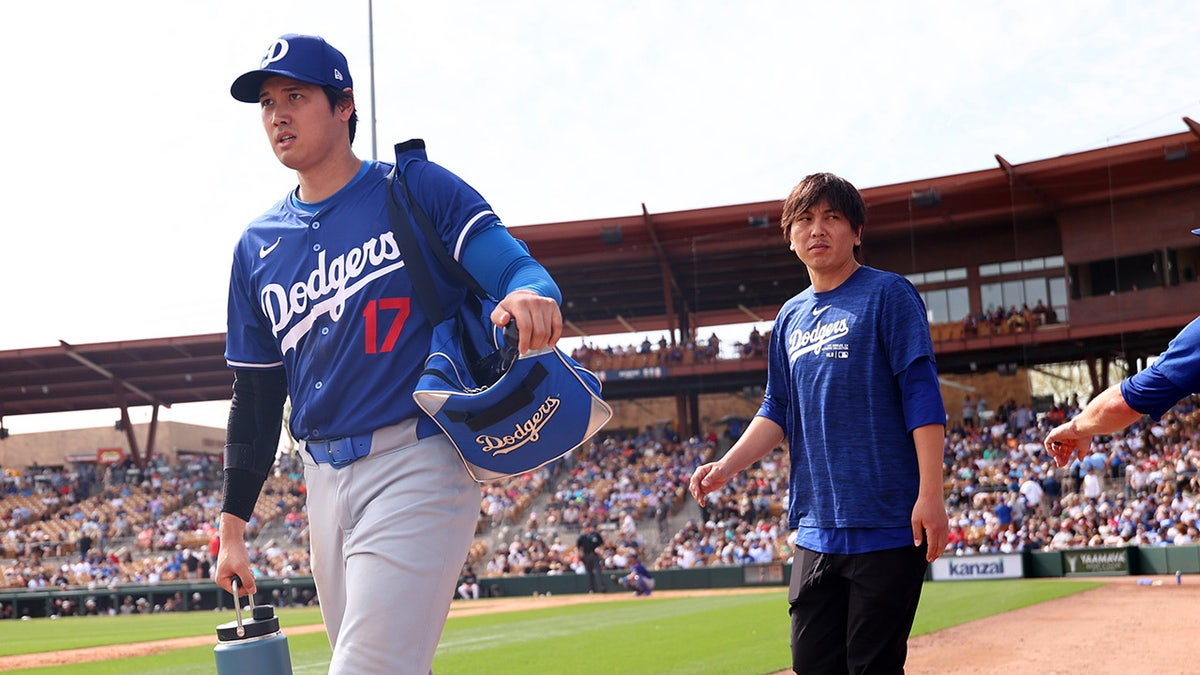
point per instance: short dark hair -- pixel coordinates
(838, 192)
(337, 96)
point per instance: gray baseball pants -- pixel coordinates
(389, 535)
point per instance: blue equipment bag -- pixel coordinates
(505, 413)
(542, 406)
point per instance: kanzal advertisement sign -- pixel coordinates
(977, 567)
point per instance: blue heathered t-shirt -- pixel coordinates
(831, 385)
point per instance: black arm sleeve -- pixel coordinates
(252, 436)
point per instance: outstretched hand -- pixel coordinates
(1063, 444)
(708, 477)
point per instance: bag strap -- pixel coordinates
(506, 407)
(439, 247)
(414, 259)
(424, 288)
(402, 225)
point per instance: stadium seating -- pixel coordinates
(631, 487)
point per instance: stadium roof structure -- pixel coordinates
(647, 272)
(158, 371)
(730, 264)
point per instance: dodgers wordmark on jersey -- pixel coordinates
(833, 362)
(321, 289)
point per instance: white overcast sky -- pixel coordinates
(129, 171)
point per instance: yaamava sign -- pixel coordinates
(1096, 561)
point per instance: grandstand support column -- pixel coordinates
(670, 285)
(127, 425)
(694, 414)
(120, 387)
(150, 433)
(687, 411)
(1097, 367)
(683, 424)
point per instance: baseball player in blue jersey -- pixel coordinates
(1174, 375)
(852, 387)
(639, 579)
(320, 310)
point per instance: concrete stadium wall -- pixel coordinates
(993, 386)
(642, 412)
(62, 448)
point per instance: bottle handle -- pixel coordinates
(237, 607)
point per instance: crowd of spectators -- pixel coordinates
(667, 353)
(1137, 488)
(993, 321)
(111, 528)
(997, 320)
(119, 526)
(617, 485)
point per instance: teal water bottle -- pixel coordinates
(253, 647)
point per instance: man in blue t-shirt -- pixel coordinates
(852, 386)
(1153, 391)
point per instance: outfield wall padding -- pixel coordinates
(204, 595)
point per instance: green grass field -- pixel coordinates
(735, 634)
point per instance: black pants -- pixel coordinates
(853, 613)
(595, 573)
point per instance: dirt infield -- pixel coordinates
(1121, 627)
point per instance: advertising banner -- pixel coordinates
(1096, 561)
(110, 455)
(648, 373)
(976, 567)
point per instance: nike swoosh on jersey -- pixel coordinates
(816, 312)
(266, 250)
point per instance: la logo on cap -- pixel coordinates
(276, 52)
(307, 58)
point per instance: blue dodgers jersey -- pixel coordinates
(831, 385)
(1173, 375)
(326, 295)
